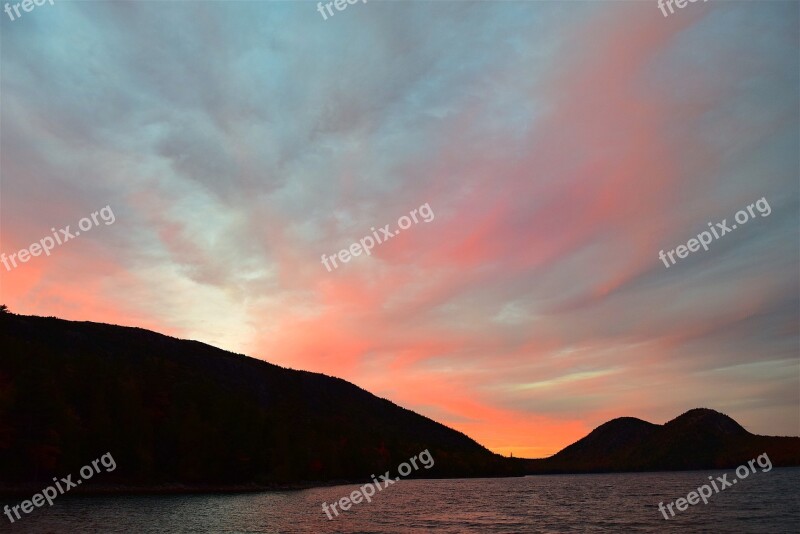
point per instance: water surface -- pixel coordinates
(764, 502)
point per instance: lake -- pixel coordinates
(764, 502)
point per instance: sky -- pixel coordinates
(555, 147)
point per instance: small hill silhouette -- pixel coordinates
(184, 416)
(698, 439)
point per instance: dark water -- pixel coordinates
(764, 502)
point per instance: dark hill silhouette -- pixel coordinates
(610, 444)
(184, 415)
(698, 439)
(173, 411)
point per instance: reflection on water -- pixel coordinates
(766, 502)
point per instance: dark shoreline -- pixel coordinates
(184, 489)
(170, 489)
(187, 489)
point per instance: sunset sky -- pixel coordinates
(560, 145)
